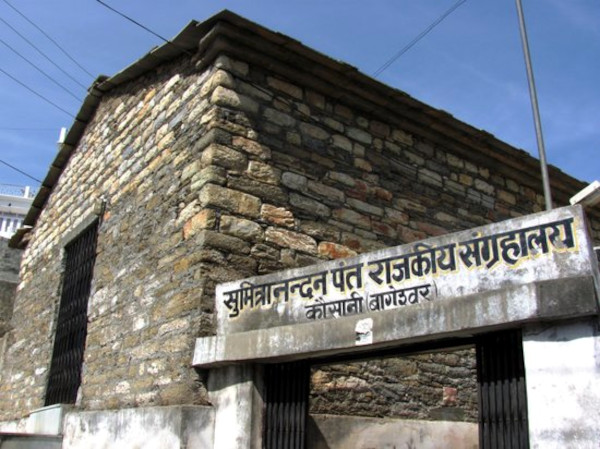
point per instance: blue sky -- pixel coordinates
(471, 65)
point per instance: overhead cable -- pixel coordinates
(144, 27)
(43, 54)
(20, 171)
(421, 35)
(133, 21)
(16, 80)
(66, 89)
(50, 39)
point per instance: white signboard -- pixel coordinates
(538, 247)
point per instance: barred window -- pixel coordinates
(71, 329)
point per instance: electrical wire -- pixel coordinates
(49, 38)
(20, 171)
(126, 17)
(66, 89)
(133, 21)
(421, 35)
(26, 129)
(16, 80)
(43, 54)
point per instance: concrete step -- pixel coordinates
(29, 441)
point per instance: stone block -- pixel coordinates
(352, 217)
(252, 147)
(279, 118)
(314, 131)
(266, 192)
(229, 98)
(384, 229)
(363, 164)
(284, 86)
(212, 174)
(333, 124)
(430, 177)
(320, 231)
(292, 240)
(309, 206)
(219, 78)
(231, 65)
(359, 135)
(315, 99)
(342, 142)
(294, 181)
(223, 242)
(204, 219)
(330, 195)
(264, 172)
(484, 187)
(365, 207)
(225, 157)
(341, 178)
(332, 250)
(465, 179)
(507, 197)
(231, 200)
(279, 216)
(359, 244)
(241, 228)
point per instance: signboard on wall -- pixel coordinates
(532, 248)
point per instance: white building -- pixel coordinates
(14, 204)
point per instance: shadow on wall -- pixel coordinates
(355, 432)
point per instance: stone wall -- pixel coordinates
(213, 172)
(145, 310)
(433, 386)
(10, 260)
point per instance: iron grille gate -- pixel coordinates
(71, 329)
(286, 399)
(502, 395)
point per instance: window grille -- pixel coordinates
(71, 330)
(502, 394)
(287, 387)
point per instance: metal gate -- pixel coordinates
(71, 329)
(286, 398)
(502, 395)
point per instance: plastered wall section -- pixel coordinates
(213, 173)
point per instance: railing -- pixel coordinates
(18, 191)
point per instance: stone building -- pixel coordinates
(231, 152)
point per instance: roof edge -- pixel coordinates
(189, 38)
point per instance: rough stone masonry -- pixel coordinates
(244, 158)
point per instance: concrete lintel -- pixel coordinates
(457, 317)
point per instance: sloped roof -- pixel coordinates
(231, 34)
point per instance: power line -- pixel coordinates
(49, 38)
(20, 171)
(41, 70)
(421, 35)
(132, 21)
(16, 80)
(126, 17)
(26, 129)
(42, 53)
